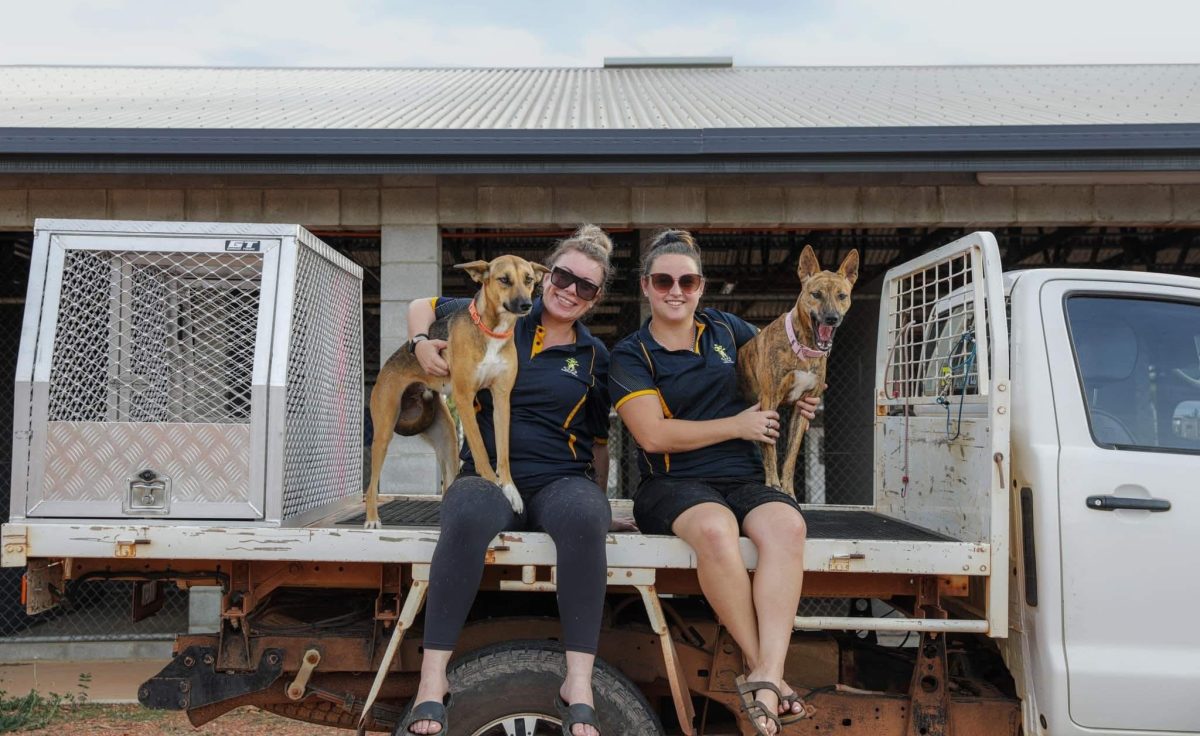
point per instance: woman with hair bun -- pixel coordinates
(675, 385)
(560, 411)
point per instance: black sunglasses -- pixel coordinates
(562, 278)
(688, 282)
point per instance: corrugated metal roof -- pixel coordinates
(591, 99)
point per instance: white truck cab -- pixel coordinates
(1105, 368)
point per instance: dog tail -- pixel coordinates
(418, 409)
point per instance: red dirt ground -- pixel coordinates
(133, 720)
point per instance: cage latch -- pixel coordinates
(149, 493)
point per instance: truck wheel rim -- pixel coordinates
(521, 724)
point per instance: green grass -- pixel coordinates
(28, 712)
(34, 710)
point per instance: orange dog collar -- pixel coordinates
(482, 327)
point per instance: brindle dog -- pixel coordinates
(787, 360)
(481, 355)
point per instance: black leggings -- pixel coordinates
(572, 510)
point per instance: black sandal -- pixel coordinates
(756, 709)
(577, 714)
(430, 710)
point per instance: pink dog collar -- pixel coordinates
(803, 352)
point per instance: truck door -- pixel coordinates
(1125, 374)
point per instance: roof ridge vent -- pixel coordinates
(668, 62)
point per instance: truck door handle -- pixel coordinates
(1108, 503)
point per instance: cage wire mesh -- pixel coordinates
(933, 352)
(364, 250)
(324, 358)
(149, 338)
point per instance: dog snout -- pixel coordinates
(520, 306)
(832, 320)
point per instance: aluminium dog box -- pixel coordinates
(187, 371)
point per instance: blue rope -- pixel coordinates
(966, 342)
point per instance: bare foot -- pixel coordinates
(797, 706)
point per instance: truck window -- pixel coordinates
(1139, 365)
(948, 348)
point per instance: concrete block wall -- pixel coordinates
(410, 212)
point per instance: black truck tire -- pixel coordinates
(511, 687)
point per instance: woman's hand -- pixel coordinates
(622, 522)
(757, 425)
(808, 406)
(429, 355)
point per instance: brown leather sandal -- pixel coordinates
(756, 709)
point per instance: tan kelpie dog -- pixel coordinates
(787, 360)
(481, 354)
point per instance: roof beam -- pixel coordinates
(543, 143)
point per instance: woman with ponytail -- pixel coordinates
(559, 461)
(675, 385)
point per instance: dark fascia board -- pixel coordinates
(536, 144)
(602, 165)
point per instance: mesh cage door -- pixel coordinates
(149, 351)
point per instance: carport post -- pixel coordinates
(411, 268)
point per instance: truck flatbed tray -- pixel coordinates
(822, 523)
(855, 540)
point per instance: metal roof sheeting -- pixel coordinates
(618, 99)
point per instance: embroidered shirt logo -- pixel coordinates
(720, 349)
(571, 367)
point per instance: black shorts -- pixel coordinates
(661, 499)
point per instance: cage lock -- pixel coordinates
(149, 493)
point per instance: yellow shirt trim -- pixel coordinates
(578, 406)
(663, 403)
(635, 394)
(647, 354)
(699, 332)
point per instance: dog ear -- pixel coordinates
(849, 267)
(477, 270)
(808, 265)
(539, 270)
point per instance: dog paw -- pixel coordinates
(372, 524)
(514, 498)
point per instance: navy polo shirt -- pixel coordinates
(559, 403)
(696, 384)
